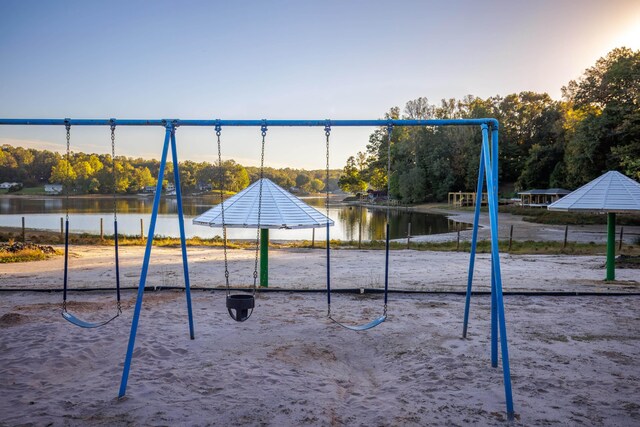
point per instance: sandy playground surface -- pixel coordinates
(573, 358)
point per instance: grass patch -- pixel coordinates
(517, 247)
(22, 256)
(21, 252)
(26, 191)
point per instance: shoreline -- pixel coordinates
(522, 230)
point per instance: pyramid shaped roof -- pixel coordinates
(280, 209)
(611, 192)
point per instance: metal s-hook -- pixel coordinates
(327, 127)
(263, 128)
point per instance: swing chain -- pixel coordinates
(263, 132)
(389, 131)
(224, 225)
(119, 307)
(66, 193)
(113, 165)
(327, 133)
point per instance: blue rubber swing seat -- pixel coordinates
(364, 327)
(83, 324)
(72, 318)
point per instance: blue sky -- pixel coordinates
(282, 59)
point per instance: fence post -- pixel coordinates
(566, 234)
(313, 238)
(510, 236)
(408, 235)
(458, 241)
(141, 230)
(23, 234)
(101, 229)
(61, 227)
(621, 235)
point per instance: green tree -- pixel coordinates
(411, 185)
(517, 114)
(241, 178)
(236, 177)
(302, 180)
(63, 173)
(350, 181)
(546, 155)
(43, 163)
(606, 132)
(8, 164)
(24, 159)
(141, 178)
(316, 185)
(378, 178)
(209, 174)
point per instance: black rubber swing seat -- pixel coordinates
(240, 306)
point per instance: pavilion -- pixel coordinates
(541, 198)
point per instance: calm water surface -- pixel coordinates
(85, 213)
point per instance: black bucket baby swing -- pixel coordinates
(240, 305)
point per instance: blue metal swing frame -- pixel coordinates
(488, 170)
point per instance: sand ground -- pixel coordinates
(573, 359)
(573, 362)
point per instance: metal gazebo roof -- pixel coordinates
(611, 192)
(280, 209)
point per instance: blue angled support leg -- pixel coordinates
(145, 265)
(495, 259)
(474, 242)
(494, 303)
(183, 244)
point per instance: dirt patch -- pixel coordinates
(627, 261)
(12, 319)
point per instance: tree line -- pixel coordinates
(544, 143)
(93, 173)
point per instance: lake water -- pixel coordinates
(85, 214)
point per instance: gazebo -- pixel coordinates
(541, 198)
(280, 210)
(611, 193)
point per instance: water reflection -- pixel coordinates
(352, 222)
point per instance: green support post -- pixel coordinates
(264, 257)
(611, 246)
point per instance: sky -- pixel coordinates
(336, 59)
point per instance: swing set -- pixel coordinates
(241, 306)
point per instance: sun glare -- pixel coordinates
(630, 36)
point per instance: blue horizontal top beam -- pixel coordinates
(269, 123)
